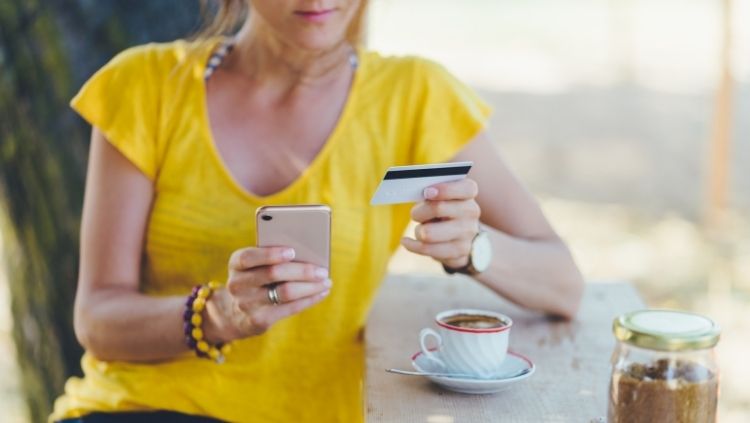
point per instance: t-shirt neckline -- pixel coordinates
(334, 138)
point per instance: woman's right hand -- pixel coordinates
(243, 309)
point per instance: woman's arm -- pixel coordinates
(531, 265)
(114, 321)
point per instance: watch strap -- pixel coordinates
(467, 269)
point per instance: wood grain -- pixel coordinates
(572, 358)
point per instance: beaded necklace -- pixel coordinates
(218, 56)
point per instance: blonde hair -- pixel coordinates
(222, 17)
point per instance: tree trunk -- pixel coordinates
(47, 49)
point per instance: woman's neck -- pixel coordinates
(259, 56)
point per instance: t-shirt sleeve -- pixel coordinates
(121, 100)
(450, 114)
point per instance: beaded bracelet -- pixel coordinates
(193, 324)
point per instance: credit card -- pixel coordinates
(405, 184)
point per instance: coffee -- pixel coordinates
(474, 321)
(667, 390)
(471, 341)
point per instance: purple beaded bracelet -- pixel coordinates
(192, 324)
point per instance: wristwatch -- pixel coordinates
(479, 257)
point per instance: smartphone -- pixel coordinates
(306, 228)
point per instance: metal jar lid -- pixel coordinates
(666, 330)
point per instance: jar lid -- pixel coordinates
(666, 330)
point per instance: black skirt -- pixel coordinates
(141, 417)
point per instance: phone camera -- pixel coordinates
(266, 217)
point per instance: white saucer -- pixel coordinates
(513, 365)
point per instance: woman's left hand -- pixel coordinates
(448, 222)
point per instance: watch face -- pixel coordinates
(481, 252)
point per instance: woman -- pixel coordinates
(190, 138)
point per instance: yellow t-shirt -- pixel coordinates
(150, 102)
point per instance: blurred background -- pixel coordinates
(629, 119)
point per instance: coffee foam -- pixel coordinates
(474, 321)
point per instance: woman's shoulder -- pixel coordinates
(398, 63)
(160, 58)
(414, 69)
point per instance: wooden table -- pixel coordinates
(572, 358)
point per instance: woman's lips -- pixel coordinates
(314, 15)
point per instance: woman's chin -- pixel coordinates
(317, 41)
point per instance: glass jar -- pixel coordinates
(664, 368)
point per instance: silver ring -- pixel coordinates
(273, 295)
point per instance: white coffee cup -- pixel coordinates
(470, 341)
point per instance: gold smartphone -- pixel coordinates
(305, 227)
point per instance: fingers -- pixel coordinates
(444, 231)
(242, 281)
(464, 189)
(292, 291)
(247, 309)
(250, 257)
(456, 249)
(258, 298)
(449, 220)
(430, 210)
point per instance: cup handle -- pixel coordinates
(426, 332)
